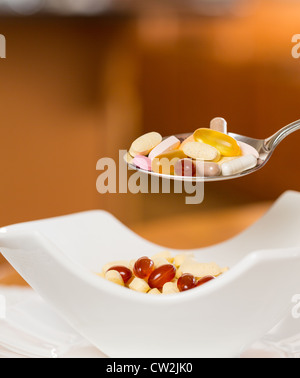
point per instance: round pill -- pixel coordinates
(185, 168)
(170, 144)
(186, 282)
(145, 144)
(239, 165)
(248, 150)
(207, 169)
(143, 268)
(201, 151)
(142, 162)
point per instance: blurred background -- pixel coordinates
(84, 78)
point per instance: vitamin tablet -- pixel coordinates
(185, 168)
(115, 277)
(186, 282)
(165, 163)
(160, 261)
(125, 273)
(186, 141)
(179, 260)
(225, 144)
(204, 280)
(154, 292)
(248, 150)
(142, 162)
(208, 169)
(143, 268)
(170, 288)
(145, 144)
(239, 165)
(227, 159)
(201, 151)
(199, 270)
(162, 275)
(168, 145)
(164, 255)
(139, 285)
(128, 158)
(219, 124)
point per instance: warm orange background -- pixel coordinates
(74, 90)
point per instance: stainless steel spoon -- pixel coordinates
(265, 148)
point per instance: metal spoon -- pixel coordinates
(265, 148)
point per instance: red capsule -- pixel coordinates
(126, 273)
(186, 282)
(185, 168)
(204, 280)
(162, 275)
(143, 268)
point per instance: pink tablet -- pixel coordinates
(142, 162)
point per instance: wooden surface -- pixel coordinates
(183, 232)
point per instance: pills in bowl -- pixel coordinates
(162, 273)
(207, 153)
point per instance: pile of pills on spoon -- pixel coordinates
(209, 152)
(162, 273)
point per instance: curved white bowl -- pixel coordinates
(57, 257)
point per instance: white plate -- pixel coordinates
(57, 257)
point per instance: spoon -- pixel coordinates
(265, 148)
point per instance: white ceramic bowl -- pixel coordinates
(57, 257)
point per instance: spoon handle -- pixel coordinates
(272, 142)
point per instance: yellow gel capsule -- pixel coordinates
(164, 164)
(225, 144)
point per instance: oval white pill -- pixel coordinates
(248, 150)
(201, 151)
(168, 145)
(239, 165)
(219, 124)
(145, 144)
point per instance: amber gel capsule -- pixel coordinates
(225, 144)
(186, 282)
(143, 268)
(204, 280)
(162, 275)
(125, 273)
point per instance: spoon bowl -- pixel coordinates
(265, 148)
